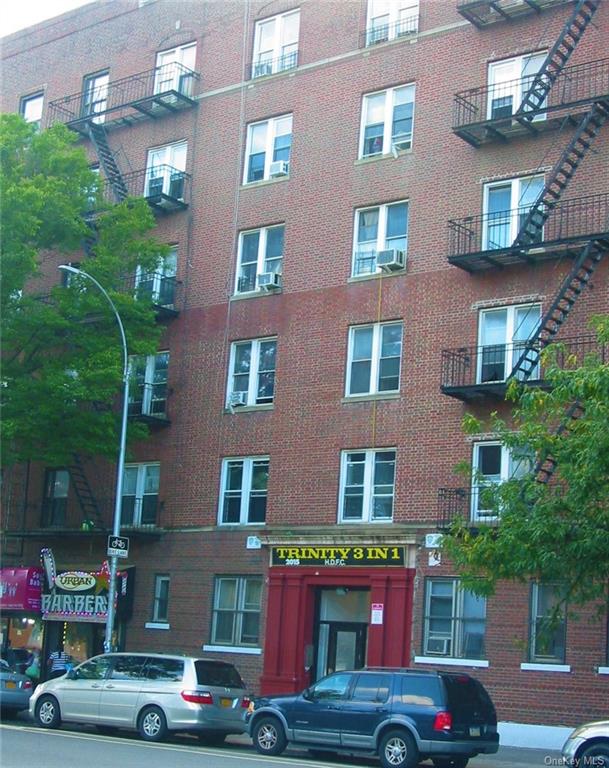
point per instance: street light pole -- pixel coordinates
(116, 528)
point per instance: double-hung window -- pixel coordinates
(260, 252)
(548, 628)
(276, 44)
(160, 606)
(166, 170)
(140, 494)
(494, 463)
(503, 334)
(175, 70)
(95, 96)
(252, 372)
(244, 490)
(454, 621)
(388, 19)
(267, 152)
(30, 108)
(506, 206)
(377, 229)
(54, 507)
(508, 83)
(374, 359)
(387, 118)
(148, 387)
(367, 486)
(236, 612)
(159, 286)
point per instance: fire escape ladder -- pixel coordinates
(556, 59)
(88, 504)
(545, 467)
(531, 228)
(97, 134)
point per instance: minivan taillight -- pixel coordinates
(245, 702)
(443, 721)
(198, 697)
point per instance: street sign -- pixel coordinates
(118, 546)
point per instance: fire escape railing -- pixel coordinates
(156, 184)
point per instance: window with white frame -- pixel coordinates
(388, 19)
(30, 108)
(244, 486)
(267, 152)
(140, 494)
(160, 606)
(165, 171)
(252, 372)
(175, 69)
(374, 359)
(454, 622)
(236, 612)
(367, 486)
(260, 252)
(95, 96)
(492, 464)
(148, 385)
(276, 44)
(387, 120)
(502, 334)
(548, 627)
(378, 229)
(508, 83)
(505, 208)
(159, 285)
(55, 503)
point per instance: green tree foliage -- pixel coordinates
(62, 358)
(556, 531)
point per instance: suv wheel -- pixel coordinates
(47, 712)
(269, 738)
(450, 762)
(398, 750)
(152, 725)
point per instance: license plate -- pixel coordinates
(10, 684)
(474, 731)
(226, 702)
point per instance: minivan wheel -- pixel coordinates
(269, 738)
(450, 762)
(398, 750)
(596, 754)
(152, 725)
(47, 712)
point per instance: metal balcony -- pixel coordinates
(382, 33)
(464, 503)
(264, 67)
(477, 243)
(164, 187)
(481, 13)
(472, 373)
(164, 292)
(148, 403)
(486, 114)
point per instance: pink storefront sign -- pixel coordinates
(20, 589)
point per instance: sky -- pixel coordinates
(18, 14)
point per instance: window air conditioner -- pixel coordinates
(279, 168)
(269, 281)
(237, 399)
(438, 645)
(391, 260)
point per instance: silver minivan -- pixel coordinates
(152, 693)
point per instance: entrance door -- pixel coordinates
(341, 630)
(346, 646)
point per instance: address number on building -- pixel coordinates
(118, 546)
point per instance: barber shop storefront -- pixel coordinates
(336, 607)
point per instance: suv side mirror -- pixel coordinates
(306, 694)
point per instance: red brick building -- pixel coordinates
(374, 206)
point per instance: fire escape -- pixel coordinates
(554, 98)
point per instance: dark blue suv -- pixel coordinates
(401, 715)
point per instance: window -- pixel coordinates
(384, 227)
(492, 464)
(508, 81)
(97, 669)
(159, 286)
(30, 108)
(267, 154)
(388, 19)
(454, 622)
(372, 687)
(95, 96)
(387, 118)
(236, 615)
(548, 625)
(56, 487)
(165, 171)
(367, 486)
(331, 688)
(375, 353)
(128, 668)
(260, 252)
(244, 490)
(148, 386)
(506, 205)
(503, 334)
(276, 44)
(140, 494)
(252, 372)
(175, 70)
(160, 607)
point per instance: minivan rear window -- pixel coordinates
(218, 673)
(467, 696)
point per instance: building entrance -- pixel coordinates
(341, 631)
